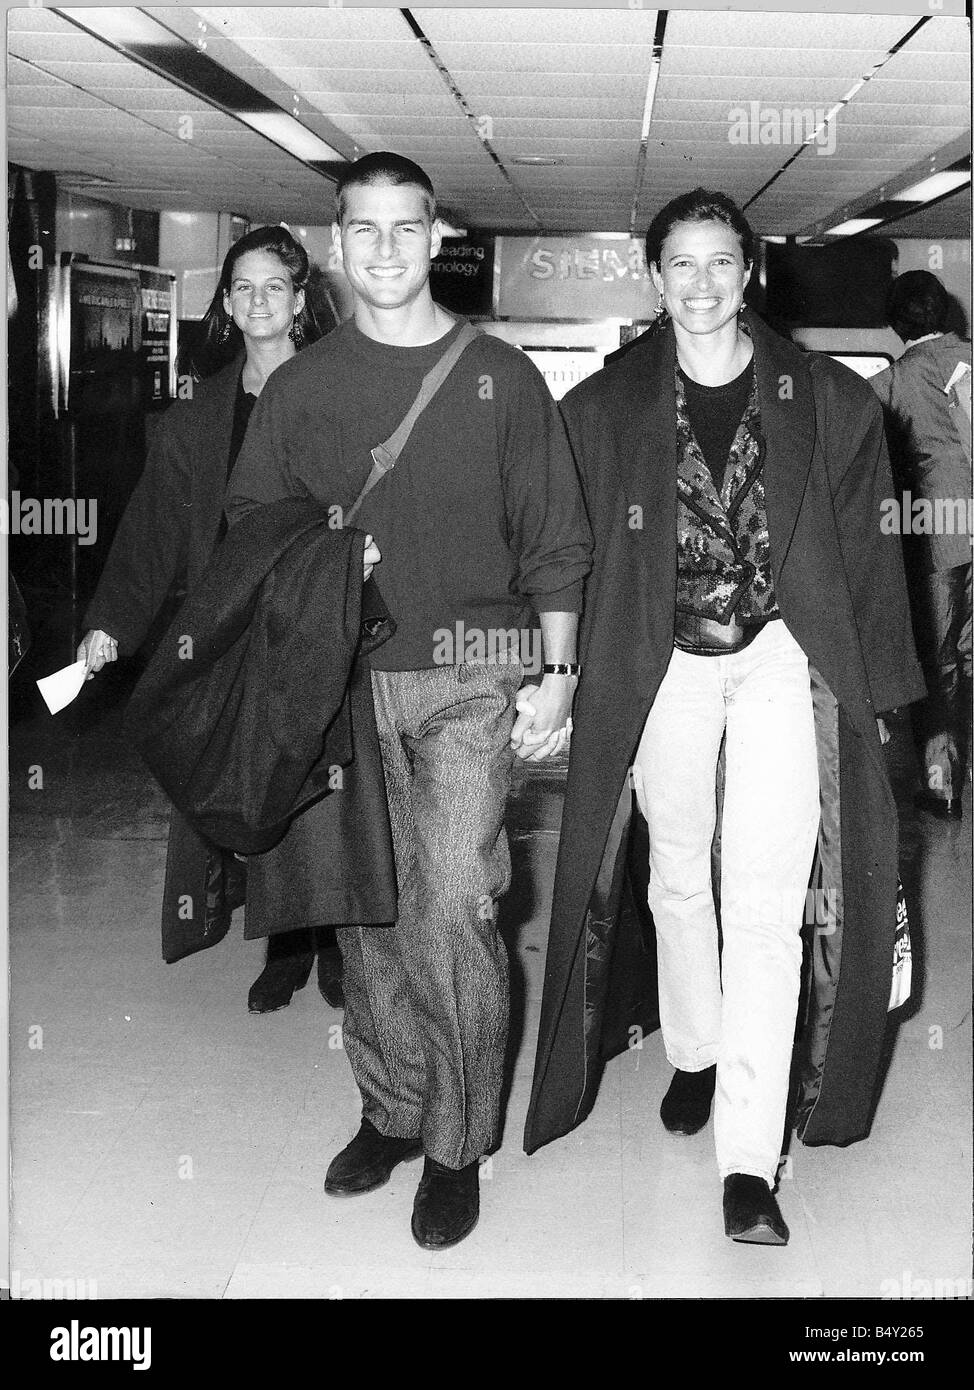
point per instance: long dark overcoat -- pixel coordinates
(167, 536)
(840, 587)
(168, 533)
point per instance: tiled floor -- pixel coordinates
(166, 1143)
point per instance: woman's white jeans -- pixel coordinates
(736, 1009)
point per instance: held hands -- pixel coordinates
(370, 558)
(95, 649)
(543, 725)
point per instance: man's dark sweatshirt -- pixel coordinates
(482, 515)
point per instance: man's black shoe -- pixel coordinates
(330, 976)
(751, 1213)
(686, 1105)
(367, 1162)
(277, 982)
(944, 807)
(447, 1205)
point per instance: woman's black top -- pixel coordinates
(715, 413)
(242, 407)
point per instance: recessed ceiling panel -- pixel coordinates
(565, 84)
(579, 26)
(781, 32)
(327, 23)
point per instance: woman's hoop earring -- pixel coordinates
(296, 333)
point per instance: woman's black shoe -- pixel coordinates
(447, 1205)
(290, 956)
(751, 1213)
(686, 1105)
(277, 982)
(330, 976)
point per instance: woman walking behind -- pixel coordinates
(257, 321)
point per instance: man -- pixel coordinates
(923, 394)
(481, 514)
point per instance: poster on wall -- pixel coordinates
(462, 276)
(157, 309)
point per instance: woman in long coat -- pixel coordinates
(742, 596)
(258, 319)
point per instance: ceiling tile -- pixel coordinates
(320, 24)
(545, 58)
(796, 66)
(566, 82)
(578, 26)
(781, 32)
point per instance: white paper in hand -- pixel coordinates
(63, 686)
(958, 374)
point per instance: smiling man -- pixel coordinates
(480, 521)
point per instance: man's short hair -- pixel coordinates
(384, 167)
(917, 304)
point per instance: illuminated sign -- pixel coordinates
(595, 276)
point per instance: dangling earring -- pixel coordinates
(296, 334)
(224, 335)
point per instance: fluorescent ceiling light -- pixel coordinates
(777, 240)
(175, 59)
(128, 26)
(854, 225)
(652, 82)
(290, 134)
(933, 187)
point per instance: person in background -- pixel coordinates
(258, 319)
(744, 610)
(926, 395)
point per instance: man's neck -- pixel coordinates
(410, 325)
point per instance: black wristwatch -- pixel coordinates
(562, 668)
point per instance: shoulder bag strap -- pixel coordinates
(384, 455)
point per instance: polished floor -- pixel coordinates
(168, 1144)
